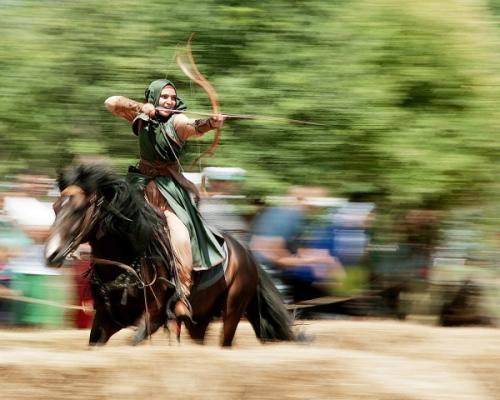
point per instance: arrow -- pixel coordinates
(244, 116)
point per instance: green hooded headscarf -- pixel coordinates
(153, 91)
(152, 96)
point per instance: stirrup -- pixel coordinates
(173, 313)
(182, 310)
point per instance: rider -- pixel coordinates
(162, 133)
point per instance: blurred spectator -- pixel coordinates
(12, 241)
(28, 203)
(4, 284)
(27, 220)
(401, 260)
(301, 273)
(344, 232)
(349, 231)
(11, 236)
(31, 185)
(217, 205)
(31, 278)
(421, 234)
(351, 224)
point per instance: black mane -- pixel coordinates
(124, 212)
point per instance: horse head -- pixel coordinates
(96, 205)
(76, 215)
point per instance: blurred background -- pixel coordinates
(400, 180)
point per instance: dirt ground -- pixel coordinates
(356, 359)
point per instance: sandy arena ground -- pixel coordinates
(346, 360)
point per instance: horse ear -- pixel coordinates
(62, 181)
(66, 176)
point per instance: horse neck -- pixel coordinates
(113, 248)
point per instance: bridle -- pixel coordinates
(87, 224)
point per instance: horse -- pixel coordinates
(131, 276)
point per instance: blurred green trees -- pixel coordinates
(407, 91)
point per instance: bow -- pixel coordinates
(192, 72)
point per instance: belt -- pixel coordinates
(163, 168)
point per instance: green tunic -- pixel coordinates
(158, 141)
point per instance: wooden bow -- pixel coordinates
(192, 72)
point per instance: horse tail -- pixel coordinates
(267, 312)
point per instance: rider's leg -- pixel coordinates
(181, 243)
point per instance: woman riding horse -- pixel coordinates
(162, 131)
(131, 271)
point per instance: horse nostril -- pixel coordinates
(52, 250)
(50, 258)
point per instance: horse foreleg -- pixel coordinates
(102, 329)
(198, 329)
(173, 326)
(143, 331)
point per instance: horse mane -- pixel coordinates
(124, 211)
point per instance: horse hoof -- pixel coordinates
(304, 338)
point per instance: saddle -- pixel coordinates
(204, 279)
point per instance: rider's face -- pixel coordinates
(167, 99)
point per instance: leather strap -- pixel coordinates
(162, 168)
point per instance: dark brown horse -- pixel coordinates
(131, 277)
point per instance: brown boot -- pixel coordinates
(174, 326)
(181, 310)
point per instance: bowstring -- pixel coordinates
(167, 70)
(198, 144)
(192, 93)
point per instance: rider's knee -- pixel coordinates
(179, 234)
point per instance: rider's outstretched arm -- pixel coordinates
(123, 107)
(188, 128)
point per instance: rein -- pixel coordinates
(90, 217)
(15, 296)
(139, 270)
(136, 275)
(88, 223)
(126, 267)
(89, 220)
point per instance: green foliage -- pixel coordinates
(407, 92)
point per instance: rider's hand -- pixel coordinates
(216, 121)
(148, 109)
